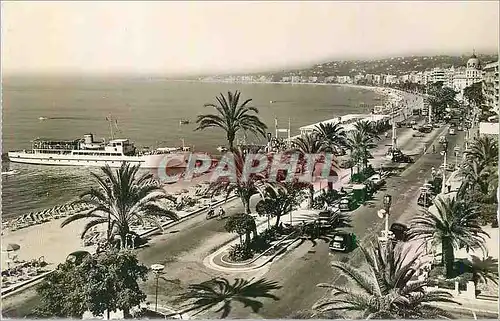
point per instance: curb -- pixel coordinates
(209, 261)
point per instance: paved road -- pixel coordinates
(182, 249)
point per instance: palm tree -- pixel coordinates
(331, 136)
(309, 144)
(485, 150)
(483, 269)
(219, 294)
(279, 199)
(367, 127)
(360, 143)
(245, 187)
(232, 117)
(387, 290)
(454, 226)
(122, 199)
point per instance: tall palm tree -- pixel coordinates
(308, 144)
(485, 150)
(360, 143)
(245, 187)
(220, 294)
(367, 127)
(121, 199)
(387, 291)
(453, 226)
(232, 117)
(331, 136)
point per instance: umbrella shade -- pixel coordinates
(12, 247)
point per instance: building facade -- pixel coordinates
(490, 86)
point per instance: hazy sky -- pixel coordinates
(196, 37)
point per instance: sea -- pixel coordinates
(146, 110)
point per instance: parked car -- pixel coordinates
(442, 139)
(452, 131)
(346, 204)
(460, 128)
(449, 167)
(401, 158)
(425, 198)
(399, 231)
(436, 125)
(343, 242)
(414, 127)
(377, 180)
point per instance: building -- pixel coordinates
(449, 75)
(490, 86)
(464, 77)
(436, 75)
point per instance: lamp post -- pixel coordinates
(384, 213)
(444, 152)
(157, 269)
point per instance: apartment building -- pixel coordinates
(490, 86)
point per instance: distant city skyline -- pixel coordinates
(174, 38)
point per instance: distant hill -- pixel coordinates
(395, 66)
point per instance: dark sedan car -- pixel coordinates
(343, 242)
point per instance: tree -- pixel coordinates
(232, 117)
(485, 150)
(331, 136)
(360, 143)
(241, 224)
(440, 99)
(104, 281)
(112, 282)
(308, 144)
(220, 294)
(454, 226)
(386, 291)
(366, 127)
(474, 94)
(244, 187)
(279, 199)
(121, 199)
(61, 293)
(483, 270)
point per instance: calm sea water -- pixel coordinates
(147, 111)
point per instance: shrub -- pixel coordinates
(240, 252)
(259, 244)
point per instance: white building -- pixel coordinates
(464, 78)
(490, 86)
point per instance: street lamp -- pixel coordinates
(444, 152)
(157, 269)
(384, 213)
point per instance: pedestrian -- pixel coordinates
(449, 188)
(434, 149)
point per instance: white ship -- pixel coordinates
(87, 152)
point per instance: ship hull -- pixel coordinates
(145, 161)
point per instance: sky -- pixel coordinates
(198, 37)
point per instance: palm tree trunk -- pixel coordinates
(311, 195)
(448, 256)
(278, 217)
(245, 199)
